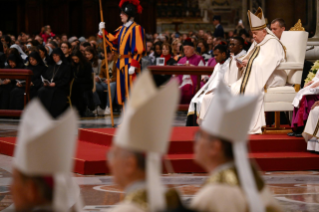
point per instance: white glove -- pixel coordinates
(101, 27)
(131, 70)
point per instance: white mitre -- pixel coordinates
(146, 127)
(257, 21)
(45, 147)
(229, 117)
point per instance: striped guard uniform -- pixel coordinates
(129, 42)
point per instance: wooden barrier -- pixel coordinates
(183, 70)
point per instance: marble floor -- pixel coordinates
(296, 191)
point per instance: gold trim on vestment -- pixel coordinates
(258, 13)
(311, 135)
(258, 28)
(316, 130)
(248, 70)
(140, 198)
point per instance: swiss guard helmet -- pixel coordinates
(130, 7)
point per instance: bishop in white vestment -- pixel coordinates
(260, 64)
(135, 156)
(234, 184)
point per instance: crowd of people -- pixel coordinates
(75, 67)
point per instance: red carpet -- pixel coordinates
(271, 152)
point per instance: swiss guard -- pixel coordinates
(129, 42)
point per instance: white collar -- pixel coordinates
(240, 54)
(217, 25)
(59, 63)
(135, 186)
(222, 168)
(129, 23)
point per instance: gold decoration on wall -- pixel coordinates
(297, 27)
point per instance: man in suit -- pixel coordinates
(219, 30)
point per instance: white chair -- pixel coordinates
(280, 98)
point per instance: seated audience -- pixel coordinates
(202, 49)
(38, 68)
(188, 83)
(67, 50)
(82, 95)
(56, 84)
(7, 85)
(112, 69)
(44, 54)
(168, 61)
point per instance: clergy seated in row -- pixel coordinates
(311, 132)
(188, 83)
(303, 103)
(259, 67)
(139, 143)
(41, 177)
(226, 69)
(220, 149)
(56, 89)
(221, 56)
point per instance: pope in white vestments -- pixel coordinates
(260, 64)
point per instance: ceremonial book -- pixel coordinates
(21, 82)
(45, 81)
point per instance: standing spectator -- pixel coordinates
(54, 93)
(278, 26)
(37, 67)
(46, 33)
(6, 85)
(219, 30)
(82, 96)
(66, 49)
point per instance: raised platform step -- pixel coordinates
(271, 152)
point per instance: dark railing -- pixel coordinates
(183, 70)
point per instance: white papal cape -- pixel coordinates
(306, 91)
(263, 60)
(215, 78)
